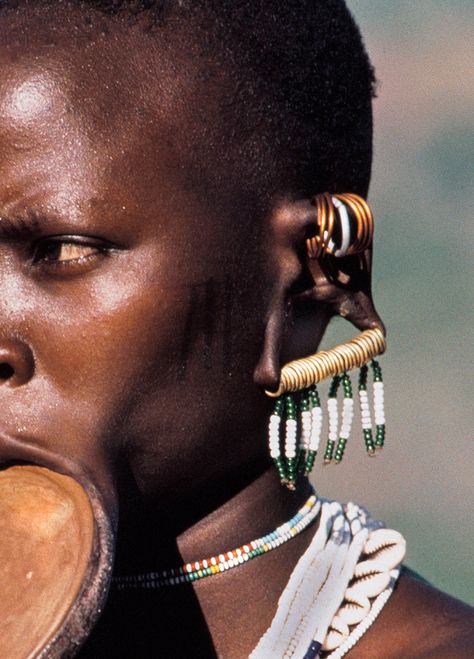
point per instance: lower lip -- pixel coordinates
(56, 552)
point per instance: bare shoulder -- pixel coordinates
(419, 622)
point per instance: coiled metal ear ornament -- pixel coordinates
(344, 227)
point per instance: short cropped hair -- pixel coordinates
(306, 80)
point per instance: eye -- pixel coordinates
(56, 251)
(69, 254)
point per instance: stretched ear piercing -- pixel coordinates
(344, 226)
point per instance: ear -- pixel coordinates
(308, 292)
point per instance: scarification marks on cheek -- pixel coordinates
(227, 356)
(207, 330)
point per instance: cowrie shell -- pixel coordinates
(373, 584)
(352, 614)
(338, 625)
(333, 640)
(355, 597)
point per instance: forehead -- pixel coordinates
(100, 69)
(83, 96)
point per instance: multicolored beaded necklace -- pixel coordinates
(205, 568)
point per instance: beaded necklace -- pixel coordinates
(228, 560)
(337, 588)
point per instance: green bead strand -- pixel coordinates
(291, 473)
(363, 373)
(314, 396)
(309, 464)
(301, 461)
(379, 436)
(290, 407)
(341, 446)
(334, 386)
(329, 451)
(369, 441)
(281, 468)
(346, 385)
(304, 403)
(377, 371)
(279, 407)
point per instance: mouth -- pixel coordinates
(56, 554)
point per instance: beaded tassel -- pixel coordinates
(274, 439)
(379, 413)
(316, 427)
(347, 416)
(287, 465)
(291, 441)
(305, 416)
(299, 455)
(333, 415)
(365, 411)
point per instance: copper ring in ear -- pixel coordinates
(344, 225)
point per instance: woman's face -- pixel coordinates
(116, 321)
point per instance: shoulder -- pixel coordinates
(419, 622)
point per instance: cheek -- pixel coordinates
(111, 345)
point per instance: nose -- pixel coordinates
(17, 363)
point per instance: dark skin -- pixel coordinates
(143, 308)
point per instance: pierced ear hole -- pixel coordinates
(6, 371)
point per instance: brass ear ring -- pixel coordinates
(303, 373)
(344, 226)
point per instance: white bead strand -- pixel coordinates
(274, 436)
(333, 420)
(306, 429)
(274, 440)
(316, 428)
(346, 419)
(379, 413)
(365, 415)
(291, 438)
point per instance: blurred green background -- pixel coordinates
(422, 197)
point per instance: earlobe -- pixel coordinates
(332, 278)
(344, 287)
(322, 252)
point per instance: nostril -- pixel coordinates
(17, 363)
(6, 371)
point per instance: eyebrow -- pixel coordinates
(20, 226)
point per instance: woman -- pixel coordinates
(160, 162)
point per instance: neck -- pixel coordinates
(258, 584)
(205, 608)
(152, 542)
(253, 512)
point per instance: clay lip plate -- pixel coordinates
(55, 562)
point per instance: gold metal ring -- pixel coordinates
(302, 373)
